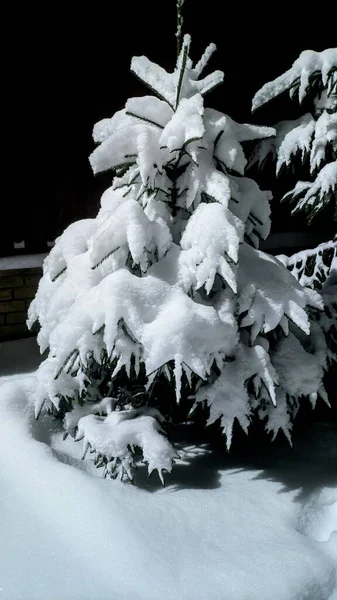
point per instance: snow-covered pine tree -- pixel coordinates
(310, 140)
(163, 301)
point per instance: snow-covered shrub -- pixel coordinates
(164, 302)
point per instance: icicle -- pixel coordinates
(141, 191)
(313, 399)
(78, 435)
(288, 436)
(229, 433)
(218, 360)
(136, 362)
(160, 473)
(63, 367)
(324, 395)
(284, 324)
(193, 408)
(38, 408)
(119, 365)
(188, 373)
(150, 379)
(167, 372)
(86, 447)
(177, 375)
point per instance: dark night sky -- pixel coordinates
(69, 68)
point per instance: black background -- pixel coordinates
(67, 66)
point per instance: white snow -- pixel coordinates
(260, 277)
(312, 136)
(25, 261)
(317, 257)
(255, 528)
(308, 63)
(127, 228)
(186, 124)
(212, 233)
(315, 192)
(165, 83)
(304, 135)
(114, 435)
(318, 516)
(228, 397)
(163, 320)
(300, 372)
(297, 139)
(325, 132)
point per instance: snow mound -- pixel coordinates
(318, 516)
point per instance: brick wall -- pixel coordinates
(17, 289)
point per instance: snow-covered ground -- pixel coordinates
(258, 528)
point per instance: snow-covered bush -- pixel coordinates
(164, 302)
